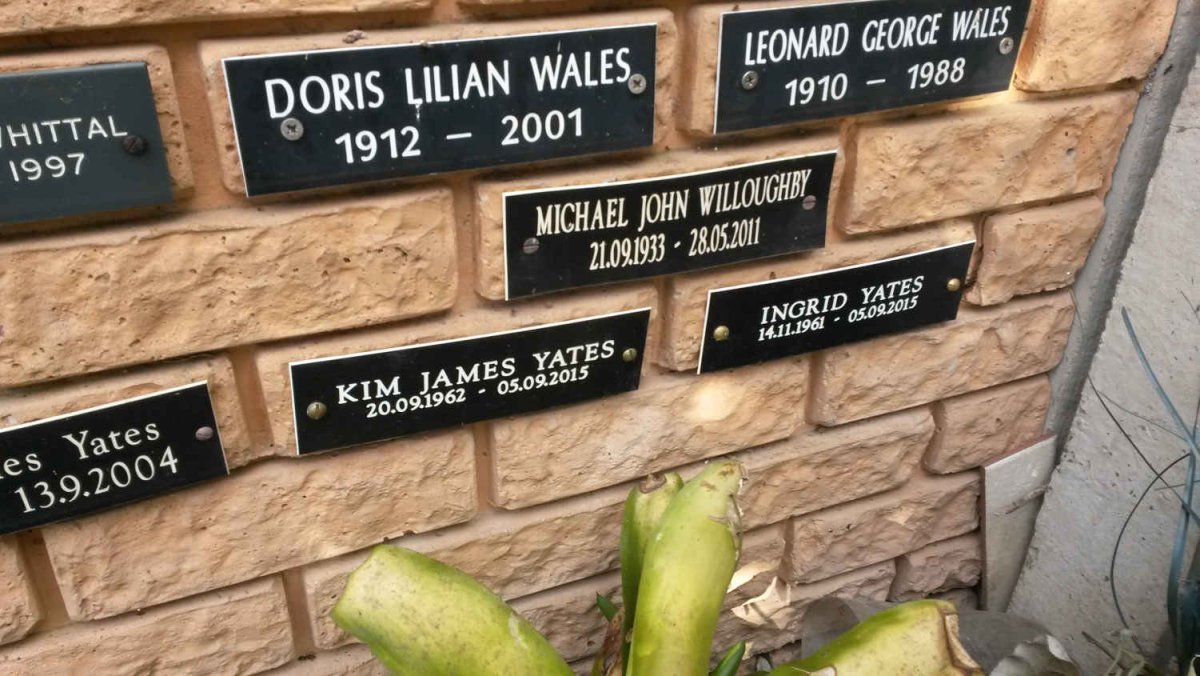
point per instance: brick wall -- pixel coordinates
(861, 458)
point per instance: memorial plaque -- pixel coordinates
(562, 238)
(339, 116)
(758, 322)
(79, 140)
(84, 462)
(362, 398)
(792, 64)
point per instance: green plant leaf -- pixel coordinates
(729, 664)
(606, 607)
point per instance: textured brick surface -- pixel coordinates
(489, 194)
(19, 609)
(1035, 250)
(35, 16)
(213, 51)
(1079, 44)
(135, 294)
(824, 467)
(158, 66)
(36, 403)
(982, 348)
(975, 429)
(687, 295)
(669, 422)
(272, 362)
(269, 517)
(567, 616)
(243, 630)
(917, 171)
(512, 553)
(939, 567)
(884, 526)
(353, 660)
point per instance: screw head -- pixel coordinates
(749, 80)
(637, 83)
(316, 410)
(204, 433)
(630, 354)
(134, 145)
(1006, 45)
(721, 334)
(531, 245)
(809, 203)
(954, 284)
(292, 129)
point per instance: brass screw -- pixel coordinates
(721, 334)
(629, 354)
(316, 410)
(954, 284)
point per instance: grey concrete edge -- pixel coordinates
(1097, 281)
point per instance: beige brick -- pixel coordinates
(243, 630)
(687, 295)
(211, 53)
(1034, 250)
(937, 167)
(829, 466)
(273, 361)
(1080, 44)
(19, 608)
(354, 660)
(980, 349)
(939, 567)
(36, 403)
(135, 294)
(269, 517)
(489, 194)
(883, 527)
(35, 16)
(158, 66)
(776, 618)
(512, 553)
(672, 420)
(977, 428)
(567, 616)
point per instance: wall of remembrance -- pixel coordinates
(281, 280)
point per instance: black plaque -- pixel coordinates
(374, 113)
(564, 238)
(769, 320)
(361, 398)
(810, 62)
(84, 462)
(79, 140)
